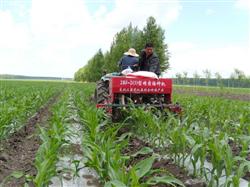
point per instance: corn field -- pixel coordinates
(44, 123)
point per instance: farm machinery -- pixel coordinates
(115, 92)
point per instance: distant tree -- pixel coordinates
(218, 79)
(196, 77)
(232, 79)
(179, 78)
(95, 66)
(125, 39)
(79, 75)
(207, 74)
(93, 70)
(129, 37)
(240, 76)
(185, 77)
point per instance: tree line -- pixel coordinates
(128, 37)
(236, 79)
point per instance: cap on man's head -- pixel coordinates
(149, 44)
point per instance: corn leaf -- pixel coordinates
(144, 166)
(143, 151)
(165, 180)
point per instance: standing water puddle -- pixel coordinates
(86, 176)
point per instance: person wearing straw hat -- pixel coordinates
(130, 59)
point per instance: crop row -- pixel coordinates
(19, 100)
(206, 133)
(104, 148)
(221, 90)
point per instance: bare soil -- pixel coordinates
(17, 153)
(236, 149)
(233, 96)
(167, 165)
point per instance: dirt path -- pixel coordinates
(241, 97)
(17, 153)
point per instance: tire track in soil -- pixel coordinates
(18, 152)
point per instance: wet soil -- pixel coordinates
(166, 165)
(17, 153)
(236, 150)
(233, 96)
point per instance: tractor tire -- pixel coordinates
(102, 91)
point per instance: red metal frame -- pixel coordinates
(136, 85)
(139, 85)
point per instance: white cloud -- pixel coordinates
(181, 46)
(137, 11)
(191, 58)
(243, 4)
(59, 36)
(210, 12)
(12, 35)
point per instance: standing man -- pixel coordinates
(149, 61)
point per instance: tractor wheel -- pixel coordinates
(102, 91)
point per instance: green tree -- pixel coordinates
(185, 77)
(127, 38)
(240, 76)
(155, 34)
(96, 66)
(179, 78)
(196, 77)
(218, 79)
(93, 70)
(232, 79)
(207, 74)
(79, 75)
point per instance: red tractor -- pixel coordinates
(115, 92)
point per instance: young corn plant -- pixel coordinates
(102, 149)
(52, 140)
(221, 158)
(19, 100)
(180, 144)
(199, 148)
(240, 171)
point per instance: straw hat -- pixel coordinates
(131, 52)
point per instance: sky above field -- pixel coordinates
(57, 37)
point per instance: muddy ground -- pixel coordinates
(17, 153)
(241, 97)
(236, 150)
(167, 165)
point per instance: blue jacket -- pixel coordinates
(127, 61)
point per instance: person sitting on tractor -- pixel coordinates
(130, 59)
(149, 61)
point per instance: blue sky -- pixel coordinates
(56, 37)
(210, 21)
